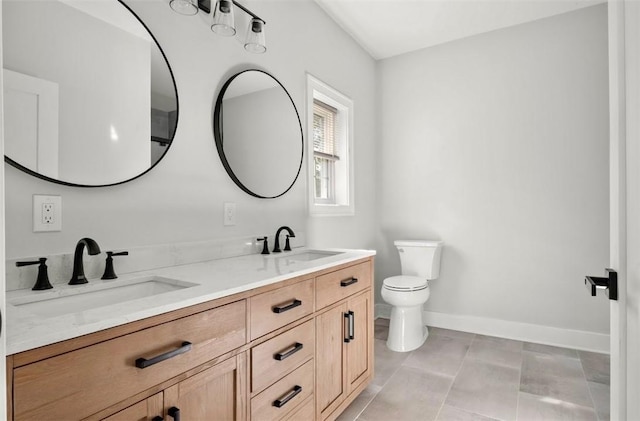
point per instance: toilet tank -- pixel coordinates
(420, 257)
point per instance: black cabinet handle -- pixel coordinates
(144, 363)
(347, 328)
(158, 418)
(284, 355)
(174, 413)
(279, 403)
(281, 309)
(352, 325)
(348, 282)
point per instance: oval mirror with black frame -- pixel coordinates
(258, 134)
(89, 97)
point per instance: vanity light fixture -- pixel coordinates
(185, 7)
(224, 22)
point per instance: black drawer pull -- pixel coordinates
(279, 403)
(282, 309)
(283, 355)
(158, 418)
(144, 363)
(174, 413)
(348, 282)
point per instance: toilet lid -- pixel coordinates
(405, 283)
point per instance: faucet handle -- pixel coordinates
(287, 246)
(42, 281)
(29, 263)
(109, 272)
(265, 246)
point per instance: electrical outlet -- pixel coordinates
(229, 214)
(47, 213)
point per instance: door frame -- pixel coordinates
(617, 205)
(624, 91)
(3, 324)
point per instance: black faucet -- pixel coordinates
(42, 282)
(287, 247)
(78, 277)
(265, 245)
(109, 272)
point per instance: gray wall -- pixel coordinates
(182, 198)
(498, 145)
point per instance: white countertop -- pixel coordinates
(215, 279)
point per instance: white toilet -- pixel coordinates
(420, 263)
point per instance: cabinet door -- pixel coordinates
(359, 349)
(145, 410)
(218, 393)
(330, 361)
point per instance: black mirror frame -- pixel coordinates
(67, 183)
(217, 132)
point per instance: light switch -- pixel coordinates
(229, 214)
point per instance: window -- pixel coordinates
(330, 117)
(324, 152)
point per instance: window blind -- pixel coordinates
(324, 127)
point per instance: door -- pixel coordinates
(31, 122)
(330, 379)
(624, 88)
(359, 354)
(218, 393)
(146, 410)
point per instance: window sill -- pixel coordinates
(331, 210)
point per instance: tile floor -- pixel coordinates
(462, 376)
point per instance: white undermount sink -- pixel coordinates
(309, 255)
(86, 297)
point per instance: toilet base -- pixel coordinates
(406, 329)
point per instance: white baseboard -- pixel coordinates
(567, 338)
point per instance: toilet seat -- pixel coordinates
(405, 283)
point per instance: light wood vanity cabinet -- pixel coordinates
(300, 349)
(344, 339)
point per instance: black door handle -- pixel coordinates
(608, 283)
(352, 325)
(347, 327)
(174, 413)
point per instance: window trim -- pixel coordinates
(316, 89)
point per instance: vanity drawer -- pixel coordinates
(305, 412)
(106, 373)
(279, 307)
(277, 401)
(281, 355)
(333, 287)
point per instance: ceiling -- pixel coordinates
(386, 28)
